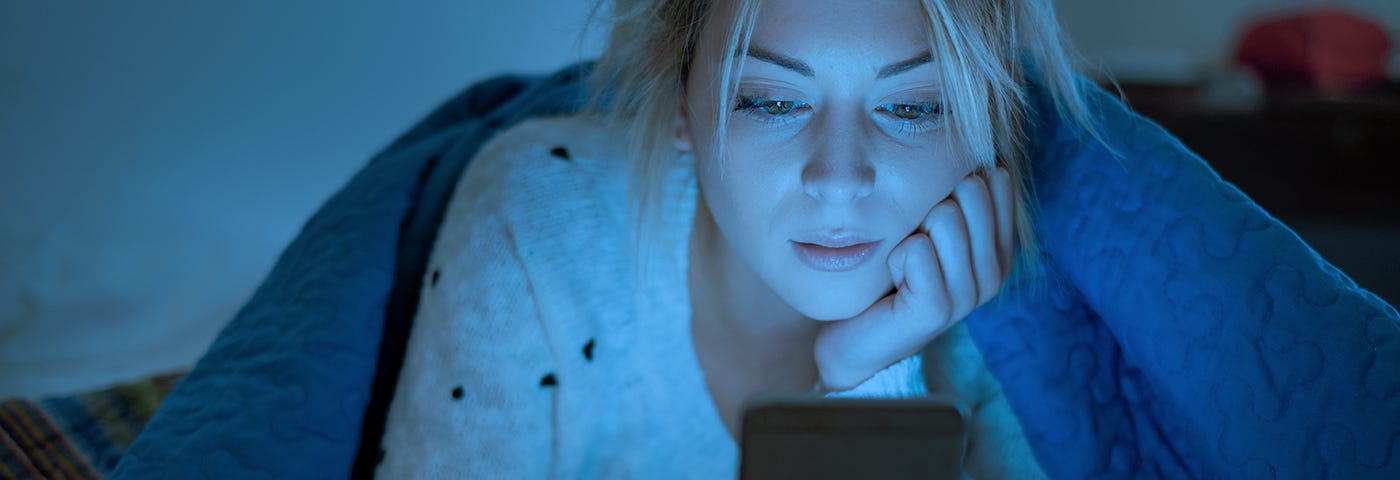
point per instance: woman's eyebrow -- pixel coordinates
(784, 61)
(904, 66)
(781, 61)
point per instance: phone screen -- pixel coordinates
(852, 438)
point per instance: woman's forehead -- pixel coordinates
(832, 35)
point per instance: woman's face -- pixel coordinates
(835, 136)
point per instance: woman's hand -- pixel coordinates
(954, 262)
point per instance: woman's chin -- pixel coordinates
(830, 307)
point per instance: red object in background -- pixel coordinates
(1329, 49)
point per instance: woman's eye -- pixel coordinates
(915, 111)
(769, 106)
(777, 107)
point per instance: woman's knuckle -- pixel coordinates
(975, 187)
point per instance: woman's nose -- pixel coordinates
(839, 172)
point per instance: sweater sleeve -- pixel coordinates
(476, 395)
(903, 379)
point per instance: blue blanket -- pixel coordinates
(1181, 331)
(1173, 328)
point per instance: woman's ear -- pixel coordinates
(682, 129)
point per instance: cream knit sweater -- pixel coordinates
(536, 354)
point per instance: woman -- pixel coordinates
(791, 195)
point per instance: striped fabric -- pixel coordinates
(76, 437)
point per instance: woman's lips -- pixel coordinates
(842, 259)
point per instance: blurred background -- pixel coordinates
(156, 156)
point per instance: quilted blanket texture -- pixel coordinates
(1178, 330)
(1173, 329)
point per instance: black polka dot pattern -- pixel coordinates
(588, 349)
(436, 274)
(457, 393)
(561, 153)
(549, 381)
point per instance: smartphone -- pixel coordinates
(817, 437)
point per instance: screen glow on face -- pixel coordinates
(836, 123)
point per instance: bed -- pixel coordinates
(1172, 329)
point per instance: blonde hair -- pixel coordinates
(989, 53)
